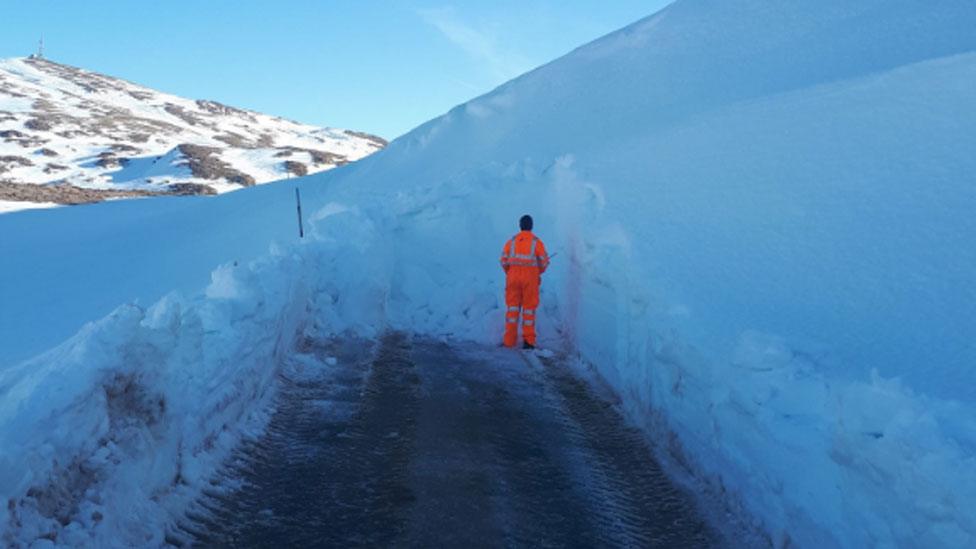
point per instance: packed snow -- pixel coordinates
(761, 215)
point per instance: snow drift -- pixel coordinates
(763, 220)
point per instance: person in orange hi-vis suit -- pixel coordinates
(524, 259)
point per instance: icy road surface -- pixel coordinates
(420, 443)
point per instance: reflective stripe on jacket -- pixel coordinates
(525, 250)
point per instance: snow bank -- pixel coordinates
(61, 271)
(12, 206)
(763, 220)
(106, 437)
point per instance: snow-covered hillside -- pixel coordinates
(763, 215)
(87, 137)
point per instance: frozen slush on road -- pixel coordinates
(764, 219)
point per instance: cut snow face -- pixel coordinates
(71, 136)
(763, 214)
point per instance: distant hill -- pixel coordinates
(71, 136)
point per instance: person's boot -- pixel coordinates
(528, 345)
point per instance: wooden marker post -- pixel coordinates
(298, 202)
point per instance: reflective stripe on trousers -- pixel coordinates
(512, 315)
(521, 295)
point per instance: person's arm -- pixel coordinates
(504, 259)
(542, 256)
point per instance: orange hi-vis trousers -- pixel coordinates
(521, 295)
(524, 259)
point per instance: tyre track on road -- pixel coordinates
(418, 443)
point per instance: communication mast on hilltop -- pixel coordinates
(39, 54)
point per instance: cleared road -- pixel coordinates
(417, 443)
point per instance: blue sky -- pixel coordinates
(371, 65)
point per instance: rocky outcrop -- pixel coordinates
(379, 141)
(296, 168)
(69, 195)
(205, 163)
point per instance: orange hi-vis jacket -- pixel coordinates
(524, 259)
